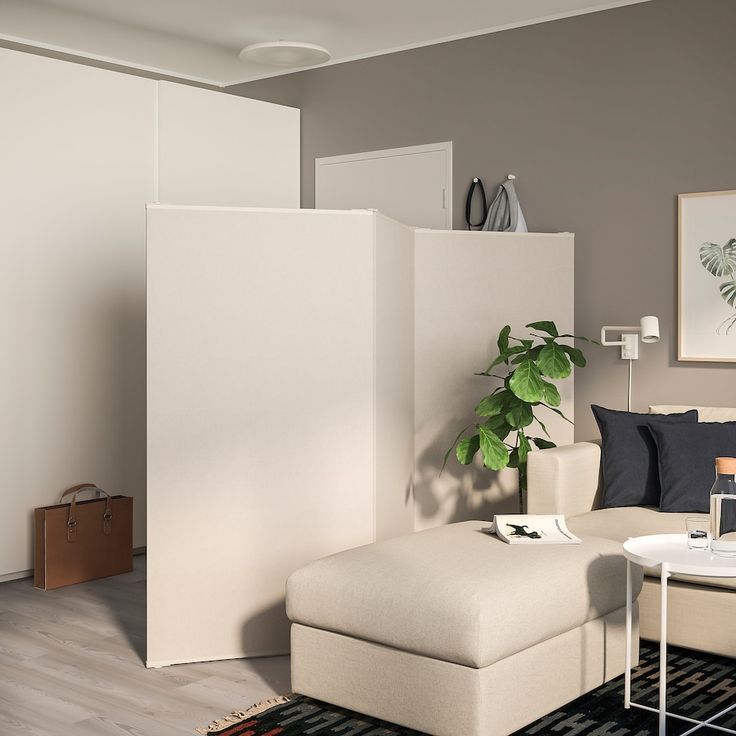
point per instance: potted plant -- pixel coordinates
(505, 434)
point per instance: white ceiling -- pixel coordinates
(200, 39)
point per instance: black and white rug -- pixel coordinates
(699, 685)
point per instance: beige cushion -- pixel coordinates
(634, 521)
(456, 594)
(705, 413)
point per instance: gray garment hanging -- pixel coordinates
(504, 213)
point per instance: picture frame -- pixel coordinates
(706, 256)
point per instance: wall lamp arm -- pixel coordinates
(617, 328)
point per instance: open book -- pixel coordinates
(532, 529)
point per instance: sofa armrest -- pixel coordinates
(564, 480)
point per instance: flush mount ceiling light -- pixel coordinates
(285, 53)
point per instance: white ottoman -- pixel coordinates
(451, 631)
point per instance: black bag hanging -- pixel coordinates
(469, 204)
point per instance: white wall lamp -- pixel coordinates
(648, 329)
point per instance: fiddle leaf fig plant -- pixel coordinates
(509, 426)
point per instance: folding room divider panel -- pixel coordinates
(280, 412)
(468, 286)
(82, 154)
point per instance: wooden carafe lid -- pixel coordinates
(726, 465)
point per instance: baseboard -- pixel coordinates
(16, 576)
(8, 576)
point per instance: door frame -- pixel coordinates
(446, 146)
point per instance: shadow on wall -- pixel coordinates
(461, 492)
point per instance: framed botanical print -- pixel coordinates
(707, 276)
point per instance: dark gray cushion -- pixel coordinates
(687, 456)
(629, 462)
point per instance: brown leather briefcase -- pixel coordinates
(82, 540)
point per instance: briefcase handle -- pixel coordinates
(71, 525)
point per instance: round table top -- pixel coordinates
(672, 550)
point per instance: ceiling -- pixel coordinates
(200, 39)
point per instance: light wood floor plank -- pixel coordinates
(71, 662)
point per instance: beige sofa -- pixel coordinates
(566, 480)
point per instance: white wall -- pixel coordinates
(468, 286)
(79, 159)
(264, 432)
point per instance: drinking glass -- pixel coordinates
(698, 532)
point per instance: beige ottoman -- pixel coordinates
(451, 631)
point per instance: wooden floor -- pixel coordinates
(71, 662)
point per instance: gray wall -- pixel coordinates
(603, 117)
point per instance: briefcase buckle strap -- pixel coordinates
(71, 526)
(71, 530)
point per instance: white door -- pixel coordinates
(412, 185)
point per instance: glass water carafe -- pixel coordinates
(723, 508)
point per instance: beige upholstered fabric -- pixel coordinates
(626, 522)
(446, 699)
(705, 413)
(698, 617)
(456, 594)
(564, 480)
(635, 521)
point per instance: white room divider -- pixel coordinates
(82, 154)
(280, 412)
(468, 286)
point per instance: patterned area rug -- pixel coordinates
(699, 685)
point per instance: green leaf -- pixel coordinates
(495, 454)
(526, 382)
(553, 361)
(503, 339)
(524, 448)
(503, 358)
(719, 260)
(545, 326)
(542, 444)
(498, 425)
(550, 394)
(576, 356)
(466, 449)
(728, 292)
(531, 354)
(492, 405)
(520, 415)
(497, 361)
(514, 458)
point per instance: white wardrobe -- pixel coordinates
(82, 150)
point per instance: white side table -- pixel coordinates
(670, 553)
